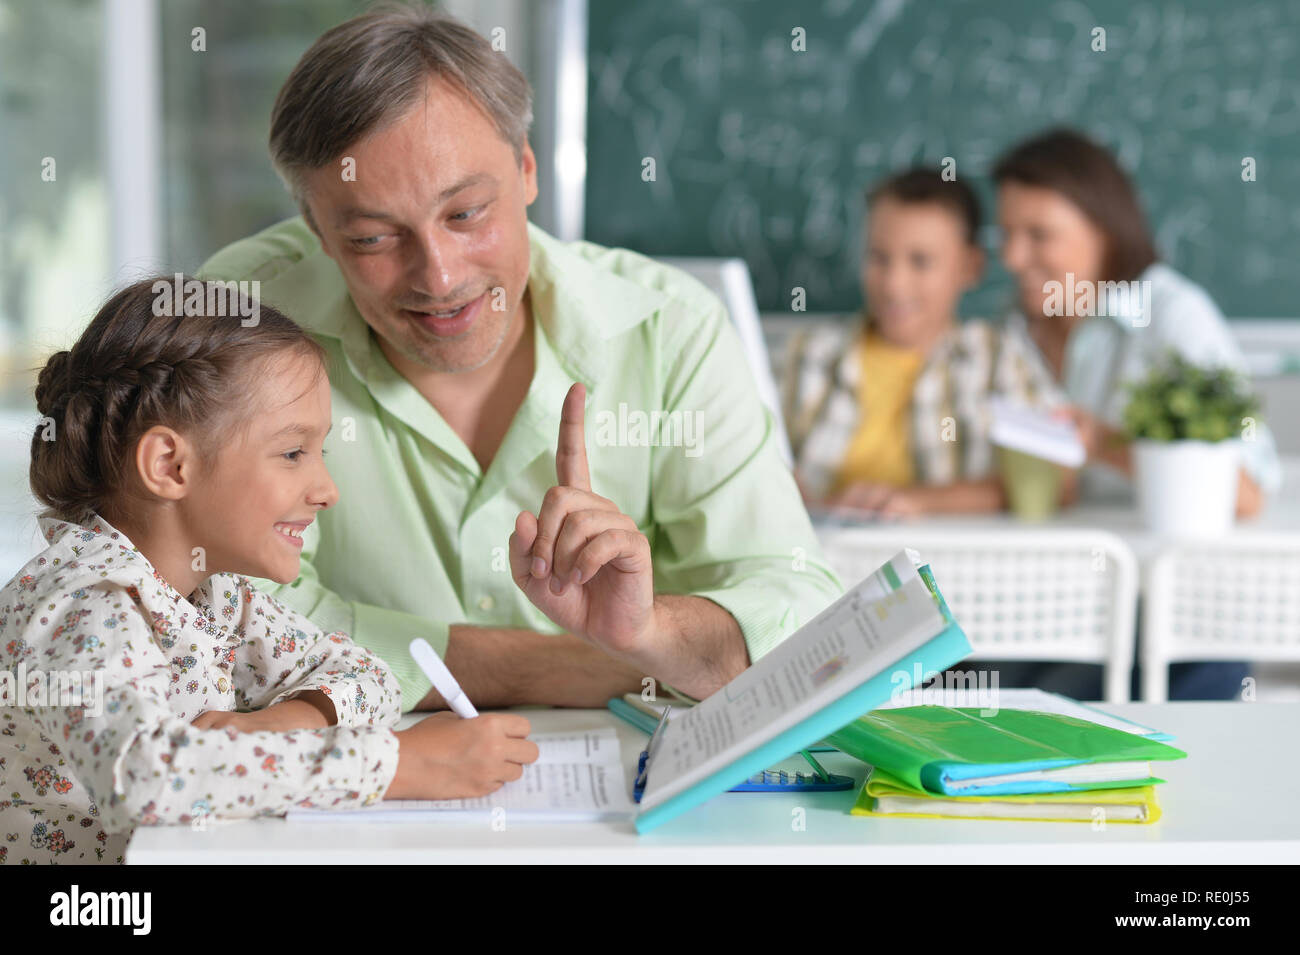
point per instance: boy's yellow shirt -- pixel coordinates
(880, 451)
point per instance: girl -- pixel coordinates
(143, 680)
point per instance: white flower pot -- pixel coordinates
(1187, 488)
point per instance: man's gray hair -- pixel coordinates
(369, 71)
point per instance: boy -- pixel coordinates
(889, 414)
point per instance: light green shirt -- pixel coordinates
(418, 540)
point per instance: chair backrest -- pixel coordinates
(729, 280)
(1019, 593)
(1236, 598)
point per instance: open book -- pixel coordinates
(578, 777)
(885, 635)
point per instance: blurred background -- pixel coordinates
(155, 116)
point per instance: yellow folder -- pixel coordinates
(886, 795)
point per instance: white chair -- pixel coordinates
(729, 280)
(1237, 598)
(1020, 593)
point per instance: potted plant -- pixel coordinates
(1187, 423)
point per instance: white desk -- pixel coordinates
(1218, 805)
(1281, 514)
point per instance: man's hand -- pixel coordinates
(582, 561)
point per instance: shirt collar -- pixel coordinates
(55, 529)
(582, 305)
(98, 530)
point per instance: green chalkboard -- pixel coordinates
(763, 151)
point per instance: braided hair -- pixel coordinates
(133, 369)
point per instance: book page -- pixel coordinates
(839, 650)
(576, 776)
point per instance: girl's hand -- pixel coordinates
(446, 757)
(309, 710)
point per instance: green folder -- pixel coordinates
(943, 750)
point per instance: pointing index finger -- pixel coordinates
(571, 451)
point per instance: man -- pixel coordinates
(464, 343)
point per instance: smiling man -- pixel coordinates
(468, 351)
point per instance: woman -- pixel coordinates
(1070, 215)
(1071, 220)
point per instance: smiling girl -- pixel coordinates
(174, 456)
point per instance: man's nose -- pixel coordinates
(435, 266)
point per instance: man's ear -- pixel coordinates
(528, 166)
(165, 463)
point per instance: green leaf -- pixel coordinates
(1178, 399)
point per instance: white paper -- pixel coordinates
(1034, 432)
(577, 777)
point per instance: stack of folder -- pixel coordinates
(958, 762)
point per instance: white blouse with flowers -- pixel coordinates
(102, 667)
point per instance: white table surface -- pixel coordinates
(1280, 514)
(1234, 798)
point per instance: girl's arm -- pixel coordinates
(284, 655)
(142, 763)
(310, 709)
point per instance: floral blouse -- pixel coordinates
(102, 667)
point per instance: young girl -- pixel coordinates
(143, 680)
(890, 414)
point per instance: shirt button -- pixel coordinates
(486, 602)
